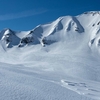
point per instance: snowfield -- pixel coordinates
(55, 61)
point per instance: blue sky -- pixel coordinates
(26, 14)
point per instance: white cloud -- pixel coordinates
(22, 14)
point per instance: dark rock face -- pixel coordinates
(26, 40)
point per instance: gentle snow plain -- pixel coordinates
(66, 68)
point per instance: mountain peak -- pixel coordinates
(7, 29)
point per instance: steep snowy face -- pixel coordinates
(9, 39)
(63, 29)
(82, 28)
(91, 23)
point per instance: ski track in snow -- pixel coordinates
(88, 89)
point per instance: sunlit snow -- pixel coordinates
(55, 61)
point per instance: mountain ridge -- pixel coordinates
(62, 29)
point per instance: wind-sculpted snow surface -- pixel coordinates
(55, 61)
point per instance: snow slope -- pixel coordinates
(54, 61)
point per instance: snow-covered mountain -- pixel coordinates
(63, 29)
(55, 61)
